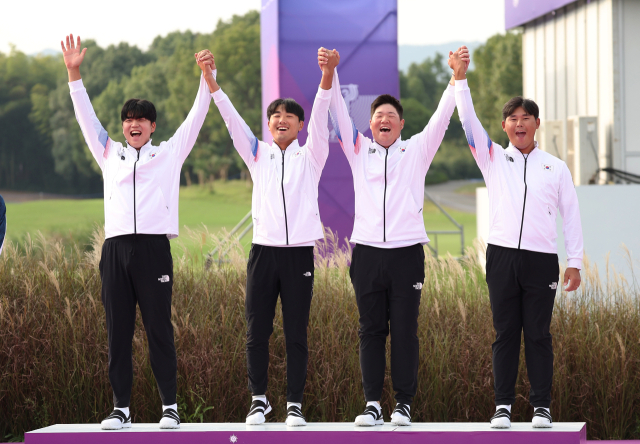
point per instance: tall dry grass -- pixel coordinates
(53, 354)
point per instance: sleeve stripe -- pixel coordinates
(254, 147)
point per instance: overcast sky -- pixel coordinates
(40, 24)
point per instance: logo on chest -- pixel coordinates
(547, 167)
(297, 153)
(508, 157)
(152, 155)
(372, 150)
(403, 149)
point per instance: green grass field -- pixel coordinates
(217, 209)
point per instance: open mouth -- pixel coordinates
(135, 133)
(282, 129)
(385, 129)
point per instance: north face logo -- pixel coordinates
(164, 278)
(307, 274)
(553, 286)
(508, 157)
(372, 150)
(418, 286)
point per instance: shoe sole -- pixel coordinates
(401, 423)
(123, 426)
(500, 426)
(364, 423)
(296, 423)
(542, 426)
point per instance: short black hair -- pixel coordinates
(138, 109)
(290, 106)
(529, 106)
(387, 99)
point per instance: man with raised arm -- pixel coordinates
(527, 187)
(141, 184)
(387, 266)
(286, 224)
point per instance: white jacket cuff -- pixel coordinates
(574, 263)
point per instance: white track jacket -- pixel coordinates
(140, 186)
(285, 182)
(525, 191)
(389, 183)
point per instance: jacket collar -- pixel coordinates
(513, 150)
(294, 146)
(393, 145)
(143, 149)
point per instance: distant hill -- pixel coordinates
(408, 54)
(47, 52)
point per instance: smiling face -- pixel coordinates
(386, 125)
(138, 131)
(284, 126)
(521, 128)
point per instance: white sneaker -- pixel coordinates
(294, 417)
(501, 419)
(370, 417)
(257, 411)
(541, 419)
(170, 419)
(116, 421)
(400, 415)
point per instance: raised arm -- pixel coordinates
(431, 137)
(477, 138)
(186, 135)
(318, 139)
(571, 228)
(344, 127)
(94, 134)
(243, 139)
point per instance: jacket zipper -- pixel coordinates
(384, 201)
(524, 203)
(284, 202)
(135, 227)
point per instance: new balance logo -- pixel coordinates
(418, 286)
(164, 278)
(372, 150)
(307, 274)
(553, 286)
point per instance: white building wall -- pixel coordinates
(579, 60)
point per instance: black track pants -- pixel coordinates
(388, 284)
(139, 269)
(287, 271)
(522, 289)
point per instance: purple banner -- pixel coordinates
(365, 33)
(519, 12)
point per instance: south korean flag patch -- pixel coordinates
(547, 167)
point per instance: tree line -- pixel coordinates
(42, 148)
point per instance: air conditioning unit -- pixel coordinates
(551, 137)
(582, 149)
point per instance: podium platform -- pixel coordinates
(314, 433)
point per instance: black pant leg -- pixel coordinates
(152, 267)
(373, 307)
(119, 302)
(260, 307)
(505, 295)
(540, 279)
(405, 268)
(296, 271)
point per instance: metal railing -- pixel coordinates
(433, 234)
(222, 251)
